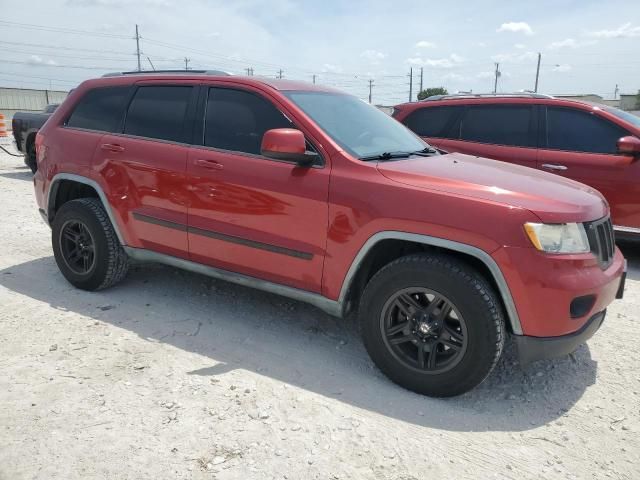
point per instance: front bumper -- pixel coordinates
(531, 349)
(544, 288)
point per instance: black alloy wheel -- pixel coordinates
(424, 330)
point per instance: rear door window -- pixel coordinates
(577, 131)
(159, 111)
(100, 109)
(237, 120)
(436, 122)
(511, 125)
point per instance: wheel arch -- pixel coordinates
(69, 186)
(386, 246)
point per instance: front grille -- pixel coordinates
(601, 240)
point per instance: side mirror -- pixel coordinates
(286, 144)
(629, 146)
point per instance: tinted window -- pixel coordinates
(158, 112)
(578, 131)
(236, 120)
(500, 125)
(438, 122)
(100, 109)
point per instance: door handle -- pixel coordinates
(112, 147)
(210, 164)
(552, 166)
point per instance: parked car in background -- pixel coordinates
(25, 125)
(593, 144)
(307, 192)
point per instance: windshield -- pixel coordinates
(626, 116)
(358, 127)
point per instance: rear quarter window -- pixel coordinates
(100, 109)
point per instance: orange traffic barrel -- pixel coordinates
(3, 127)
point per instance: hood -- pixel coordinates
(552, 198)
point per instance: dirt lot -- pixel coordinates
(174, 375)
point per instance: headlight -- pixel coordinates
(558, 238)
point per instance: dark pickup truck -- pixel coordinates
(25, 126)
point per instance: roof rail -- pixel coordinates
(460, 96)
(180, 72)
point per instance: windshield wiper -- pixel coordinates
(387, 156)
(426, 152)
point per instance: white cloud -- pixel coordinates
(330, 68)
(570, 43)
(373, 56)
(520, 46)
(453, 77)
(481, 44)
(483, 75)
(514, 57)
(623, 31)
(425, 44)
(38, 60)
(562, 68)
(448, 62)
(516, 27)
(117, 3)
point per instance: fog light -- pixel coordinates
(580, 306)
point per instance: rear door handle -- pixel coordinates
(112, 147)
(210, 164)
(552, 166)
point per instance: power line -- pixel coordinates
(46, 28)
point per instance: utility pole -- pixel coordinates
(151, 63)
(314, 78)
(421, 73)
(495, 85)
(186, 63)
(537, 72)
(280, 72)
(249, 71)
(370, 88)
(615, 92)
(410, 84)
(138, 48)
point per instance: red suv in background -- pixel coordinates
(310, 193)
(593, 144)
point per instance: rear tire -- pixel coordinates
(86, 247)
(432, 324)
(30, 155)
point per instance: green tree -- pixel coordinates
(428, 92)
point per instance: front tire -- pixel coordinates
(432, 324)
(86, 247)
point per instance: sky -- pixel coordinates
(587, 46)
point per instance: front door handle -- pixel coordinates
(112, 147)
(553, 166)
(210, 164)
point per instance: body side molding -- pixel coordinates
(329, 306)
(484, 257)
(53, 188)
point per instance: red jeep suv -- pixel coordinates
(313, 194)
(593, 144)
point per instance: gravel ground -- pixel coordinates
(174, 375)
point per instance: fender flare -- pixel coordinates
(484, 257)
(53, 190)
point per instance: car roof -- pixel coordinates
(538, 99)
(181, 75)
